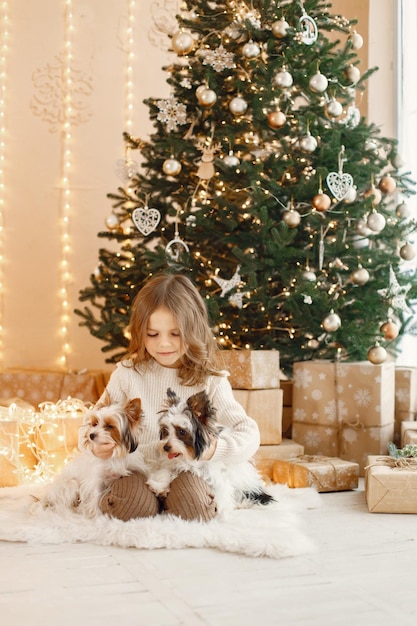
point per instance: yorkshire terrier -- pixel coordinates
(84, 480)
(186, 432)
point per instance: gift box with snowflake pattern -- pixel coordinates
(321, 472)
(251, 369)
(265, 407)
(405, 398)
(343, 410)
(408, 433)
(268, 454)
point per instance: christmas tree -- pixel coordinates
(264, 184)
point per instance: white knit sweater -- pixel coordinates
(237, 443)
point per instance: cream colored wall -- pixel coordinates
(32, 213)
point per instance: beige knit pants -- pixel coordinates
(189, 497)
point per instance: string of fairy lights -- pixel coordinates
(4, 53)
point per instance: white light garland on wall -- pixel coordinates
(4, 52)
(130, 55)
(66, 165)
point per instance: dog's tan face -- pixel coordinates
(115, 425)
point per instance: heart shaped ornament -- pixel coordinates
(146, 220)
(339, 184)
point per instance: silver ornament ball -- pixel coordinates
(377, 354)
(407, 252)
(402, 210)
(334, 108)
(360, 276)
(171, 167)
(238, 106)
(376, 222)
(182, 43)
(291, 218)
(231, 160)
(308, 143)
(207, 97)
(251, 50)
(283, 79)
(279, 28)
(332, 322)
(318, 82)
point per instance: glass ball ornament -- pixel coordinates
(407, 252)
(276, 119)
(362, 228)
(206, 97)
(387, 184)
(334, 108)
(309, 275)
(308, 143)
(321, 202)
(376, 222)
(313, 344)
(182, 42)
(360, 276)
(112, 222)
(283, 79)
(351, 195)
(374, 193)
(291, 218)
(402, 210)
(251, 50)
(377, 354)
(356, 40)
(280, 28)
(353, 73)
(231, 159)
(359, 241)
(331, 322)
(318, 82)
(389, 330)
(171, 167)
(238, 106)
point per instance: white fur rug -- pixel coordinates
(274, 531)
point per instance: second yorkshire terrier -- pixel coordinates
(83, 481)
(186, 430)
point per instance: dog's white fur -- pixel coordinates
(186, 431)
(83, 481)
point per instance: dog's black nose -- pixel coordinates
(92, 436)
(167, 447)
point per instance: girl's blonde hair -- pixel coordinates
(178, 294)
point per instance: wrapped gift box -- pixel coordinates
(268, 454)
(405, 397)
(343, 410)
(391, 485)
(36, 386)
(408, 433)
(265, 407)
(287, 387)
(251, 369)
(17, 442)
(322, 473)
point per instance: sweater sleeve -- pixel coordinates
(240, 438)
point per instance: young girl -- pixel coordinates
(172, 346)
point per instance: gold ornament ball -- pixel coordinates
(360, 276)
(313, 344)
(207, 97)
(332, 322)
(276, 119)
(182, 43)
(377, 354)
(171, 167)
(238, 106)
(407, 252)
(291, 218)
(374, 193)
(321, 202)
(389, 330)
(387, 184)
(279, 28)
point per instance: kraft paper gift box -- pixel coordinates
(265, 407)
(322, 473)
(405, 397)
(408, 433)
(343, 410)
(36, 386)
(268, 454)
(251, 369)
(391, 485)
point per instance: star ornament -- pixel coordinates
(395, 294)
(228, 285)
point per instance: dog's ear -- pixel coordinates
(133, 410)
(104, 401)
(173, 399)
(201, 407)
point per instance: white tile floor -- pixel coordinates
(364, 573)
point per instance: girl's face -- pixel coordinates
(163, 341)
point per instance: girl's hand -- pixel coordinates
(103, 450)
